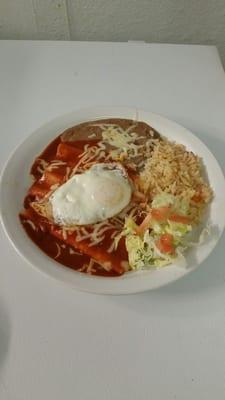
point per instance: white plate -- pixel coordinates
(15, 182)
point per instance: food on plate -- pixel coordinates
(92, 196)
(114, 195)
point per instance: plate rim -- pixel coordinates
(105, 287)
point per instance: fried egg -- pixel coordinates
(93, 196)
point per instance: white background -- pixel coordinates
(56, 343)
(164, 21)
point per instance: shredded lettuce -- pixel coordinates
(136, 252)
(180, 259)
(129, 226)
(143, 250)
(143, 253)
(178, 231)
(202, 237)
(178, 205)
(163, 200)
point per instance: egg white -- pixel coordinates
(93, 196)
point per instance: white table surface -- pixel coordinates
(57, 343)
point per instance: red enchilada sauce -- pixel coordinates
(63, 154)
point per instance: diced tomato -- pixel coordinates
(160, 214)
(197, 198)
(165, 243)
(179, 218)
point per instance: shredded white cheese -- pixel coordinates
(54, 187)
(58, 250)
(42, 164)
(118, 137)
(111, 248)
(90, 266)
(72, 252)
(90, 153)
(64, 233)
(55, 164)
(29, 222)
(106, 265)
